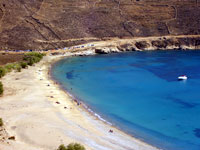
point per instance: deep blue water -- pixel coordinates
(139, 93)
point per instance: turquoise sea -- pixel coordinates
(139, 93)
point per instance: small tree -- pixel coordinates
(1, 88)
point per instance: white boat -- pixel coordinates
(182, 77)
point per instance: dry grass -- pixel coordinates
(10, 58)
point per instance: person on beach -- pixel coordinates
(111, 131)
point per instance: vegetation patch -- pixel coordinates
(29, 59)
(24, 64)
(2, 72)
(33, 57)
(9, 67)
(72, 146)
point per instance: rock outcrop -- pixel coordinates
(104, 50)
(142, 45)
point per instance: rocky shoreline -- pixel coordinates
(137, 44)
(162, 43)
(116, 45)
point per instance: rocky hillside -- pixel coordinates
(46, 24)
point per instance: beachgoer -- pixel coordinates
(111, 131)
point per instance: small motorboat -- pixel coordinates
(182, 77)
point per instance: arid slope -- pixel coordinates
(46, 24)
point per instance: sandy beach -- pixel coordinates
(41, 116)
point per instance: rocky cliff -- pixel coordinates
(47, 24)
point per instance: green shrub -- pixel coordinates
(72, 146)
(30, 58)
(30, 61)
(23, 64)
(1, 88)
(19, 68)
(2, 72)
(36, 59)
(1, 122)
(33, 54)
(75, 146)
(36, 54)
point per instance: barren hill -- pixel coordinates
(46, 24)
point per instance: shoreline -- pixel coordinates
(79, 104)
(83, 107)
(84, 124)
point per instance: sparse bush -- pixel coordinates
(72, 146)
(2, 72)
(23, 64)
(1, 88)
(8, 67)
(1, 122)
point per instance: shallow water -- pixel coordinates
(139, 93)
